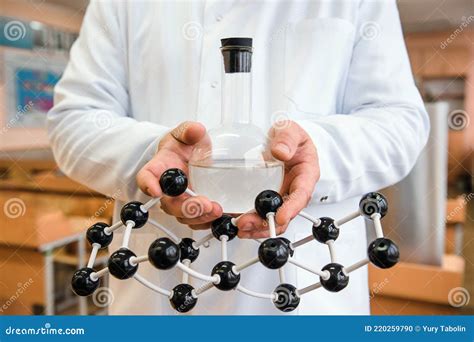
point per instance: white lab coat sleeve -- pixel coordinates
(383, 126)
(93, 136)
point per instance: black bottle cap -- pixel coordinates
(237, 42)
(237, 53)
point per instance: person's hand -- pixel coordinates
(174, 151)
(292, 145)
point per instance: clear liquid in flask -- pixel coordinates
(234, 184)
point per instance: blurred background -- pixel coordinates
(44, 215)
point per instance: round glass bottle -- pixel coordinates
(233, 164)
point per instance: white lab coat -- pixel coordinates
(338, 68)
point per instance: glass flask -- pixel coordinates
(233, 164)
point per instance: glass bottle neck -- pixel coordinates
(236, 98)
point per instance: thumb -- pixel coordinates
(284, 140)
(189, 132)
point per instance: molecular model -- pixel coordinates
(274, 252)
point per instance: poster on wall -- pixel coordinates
(29, 82)
(34, 88)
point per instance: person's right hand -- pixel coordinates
(174, 151)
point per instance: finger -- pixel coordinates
(203, 226)
(296, 201)
(174, 151)
(148, 177)
(189, 132)
(195, 206)
(208, 218)
(148, 183)
(249, 222)
(214, 214)
(179, 144)
(261, 234)
(284, 140)
(186, 206)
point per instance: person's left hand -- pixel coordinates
(293, 146)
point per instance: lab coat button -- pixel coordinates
(219, 17)
(214, 84)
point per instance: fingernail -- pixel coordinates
(247, 227)
(282, 148)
